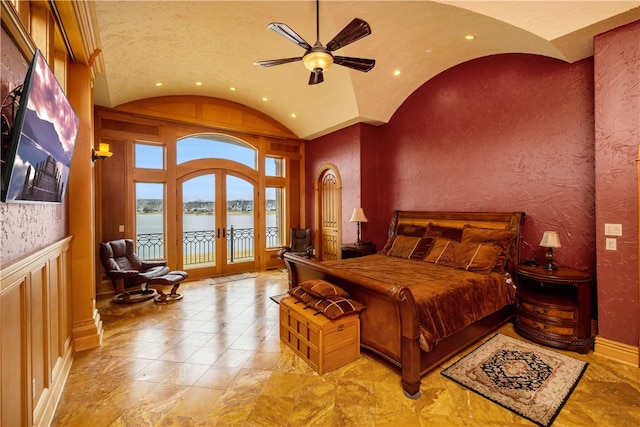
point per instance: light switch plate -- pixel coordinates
(613, 229)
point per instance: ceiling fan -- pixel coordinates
(319, 58)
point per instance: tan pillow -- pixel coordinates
(323, 289)
(501, 238)
(336, 307)
(408, 247)
(476, 257)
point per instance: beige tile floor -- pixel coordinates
(215, 359)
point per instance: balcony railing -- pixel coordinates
(198, 247)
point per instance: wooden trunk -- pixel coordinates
(323, 343)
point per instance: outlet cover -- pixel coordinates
(611, 244)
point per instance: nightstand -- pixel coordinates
(354, 251)
(553, 307)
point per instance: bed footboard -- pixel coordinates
(389, 309)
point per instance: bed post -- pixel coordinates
(410, 344)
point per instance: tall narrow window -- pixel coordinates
(275, 217)
(150, 220)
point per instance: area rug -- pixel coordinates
(527, 379)
(277, 298)
(229, 278)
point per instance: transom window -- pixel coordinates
(214, 146)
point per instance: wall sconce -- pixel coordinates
(358, 216)
(550, 240)
(102, 153)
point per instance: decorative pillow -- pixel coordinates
(336, 307)
(450, 233)
(477, 257)
(388, 245)
(323, 289)
(301, 295)
(411, 230)
(410, 247)
(500, 238)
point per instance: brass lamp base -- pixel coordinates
(550, 265)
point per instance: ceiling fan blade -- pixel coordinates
(355, 30)
(272, 62)
(285, 31)
(316, 77)
(359, 64)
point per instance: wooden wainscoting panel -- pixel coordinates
(35, 334)
(13, 335)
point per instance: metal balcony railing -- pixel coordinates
(198, 247)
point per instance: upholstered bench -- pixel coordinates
(173, 279)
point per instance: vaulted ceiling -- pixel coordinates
(180, 43)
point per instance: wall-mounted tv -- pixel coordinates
(42, 139)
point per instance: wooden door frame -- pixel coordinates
(317, 184)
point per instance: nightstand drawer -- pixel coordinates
(549, 312)
(546, 328)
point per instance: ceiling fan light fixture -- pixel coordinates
(317, 59)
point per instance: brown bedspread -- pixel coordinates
(447, 299)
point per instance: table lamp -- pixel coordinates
(358, 217)
(550, 240)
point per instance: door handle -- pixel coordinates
(224, 233)
(218, 234)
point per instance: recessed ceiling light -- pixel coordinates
(232, 89)
(159, 84)
(396, 73)
(469, 37)
(293, 115)
(265, 99)
(198, 83)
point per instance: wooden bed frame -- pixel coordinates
(389, 324)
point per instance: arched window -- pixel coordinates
(216, 146)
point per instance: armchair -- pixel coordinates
(299, 243)
(132, 276)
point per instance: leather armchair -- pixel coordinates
(299, 243)
(128, 273)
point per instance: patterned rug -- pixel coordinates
(229, 278)
(527, 379)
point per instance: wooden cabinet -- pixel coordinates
(554, 308)
(354, 251)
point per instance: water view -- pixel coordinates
(199, 236)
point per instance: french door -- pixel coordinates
(216, 223)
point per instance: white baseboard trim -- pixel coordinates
(624, 353)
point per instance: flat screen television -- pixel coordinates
(43, 136)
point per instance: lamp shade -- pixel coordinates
(550, 239)
(358, 216)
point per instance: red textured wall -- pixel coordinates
(617, 130)
(501, 133)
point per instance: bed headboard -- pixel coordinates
(416, 220)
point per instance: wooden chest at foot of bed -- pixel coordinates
(323, 343)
